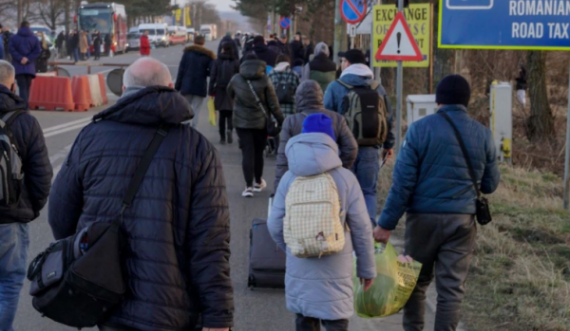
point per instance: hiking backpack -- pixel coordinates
(284, 88)
(366, 114)
(313, 224)
(11, 175)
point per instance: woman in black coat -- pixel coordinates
(224, 68)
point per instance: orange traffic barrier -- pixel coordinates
(103, 88)
(51, 93)
(81, 93)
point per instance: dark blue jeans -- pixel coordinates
(24, 83)
(14, 242)
(366, 170)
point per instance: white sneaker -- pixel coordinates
(248, 193)
(259, 187)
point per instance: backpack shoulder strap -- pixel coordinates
(9, 118)
(348, 86)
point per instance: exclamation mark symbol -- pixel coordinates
(399, 38)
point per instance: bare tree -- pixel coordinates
(541, 121)
(51, 12)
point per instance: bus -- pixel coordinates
(110, 19)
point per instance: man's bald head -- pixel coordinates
(7, 74)
(147, 72)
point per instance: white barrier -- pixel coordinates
(47, 74)
(95, 88)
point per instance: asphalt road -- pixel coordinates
(255, 310)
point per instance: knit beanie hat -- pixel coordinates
(453, 90)
(319, 123)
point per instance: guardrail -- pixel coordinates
(114, 78)
(88, 65)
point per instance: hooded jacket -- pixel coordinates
(323, 287)
(229, 39)
(194, 70)
(431, 175)
(145, 47)
(247, 112)
(297, 50)
(321, 69)
(284, 75)
(25, 45)
(224, 68)
(310, 101)
(29, 140)
(359, 75)
(265, 54)
(177, 259)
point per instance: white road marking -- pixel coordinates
(67, 129)
(64, 125)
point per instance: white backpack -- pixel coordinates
(313, 222)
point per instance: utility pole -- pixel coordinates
(567, 161)
(399, 92)
(339, 32)
(373, 47)
(66, 15)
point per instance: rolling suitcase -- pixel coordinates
(266, 259)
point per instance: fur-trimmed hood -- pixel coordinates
(200, 49)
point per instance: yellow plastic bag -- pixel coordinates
(211, 112)
(394, 283)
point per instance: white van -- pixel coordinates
(157, 34)
(177, 35)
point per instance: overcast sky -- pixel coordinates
(223, 5)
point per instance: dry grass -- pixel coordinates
(520, 276)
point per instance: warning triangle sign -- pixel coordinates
(399, 44)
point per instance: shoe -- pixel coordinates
(230, 136)
(222, 141)
(248, 193)
(259, 187)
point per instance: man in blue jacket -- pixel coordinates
(29, 141)
(433, 185)
(193, 73)
(25, 50)
(357, 74)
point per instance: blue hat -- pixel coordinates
(319, 123)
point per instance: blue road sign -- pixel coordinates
(285, 22)
(353, 11)
(505, 24)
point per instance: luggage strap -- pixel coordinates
(143, 166)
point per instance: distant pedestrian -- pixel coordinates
(45, 54)
(177, 256)
(320, 69)
(193, 73)
(108, 41)
(89, 43)
(237, 40)
(83, 45)
(224, 68)
(263, 53)
(358, 78)
(144, 48)
(29, 143)
(25, 49)
(309, 99)
(75, 45)
(319, 290)
(2, 50)
(521, 86)
(251, 118)
(228, 39)
(285, 81)
(97, 42)
(298, 67)
(433, 186)
(297, 48)
(309, 49)
(59, 44)
(5, 39)
(283, 44)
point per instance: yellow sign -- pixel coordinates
(187, 16)
(178, 15)
(419, 19)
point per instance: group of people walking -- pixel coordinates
(81, 45)
(178, 227)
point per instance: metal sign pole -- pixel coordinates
(567, 164)
(399, 92)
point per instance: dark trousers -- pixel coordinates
(252, 143)
(24, 83)
(444, 244)
(76, 54)
(304, 323)
(97, 53)
(226, 122)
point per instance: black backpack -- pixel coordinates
(78, 281)
(11, 174)
(284, 88)
(366, 114)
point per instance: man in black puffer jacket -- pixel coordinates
(178, 231)
(14, 239)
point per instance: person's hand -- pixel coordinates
(387, 154)
(24, 60)
(381, 235)
(367, 283)
(215, 329)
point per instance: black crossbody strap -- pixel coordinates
(143, 166)
(256, 97)
(464, 151)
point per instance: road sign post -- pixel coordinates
(399, 45)
(567, 161)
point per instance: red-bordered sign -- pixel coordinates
(353, 11)
(399, 44)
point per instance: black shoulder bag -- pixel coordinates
(78, 281)
(483, 212)
(273, 128)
